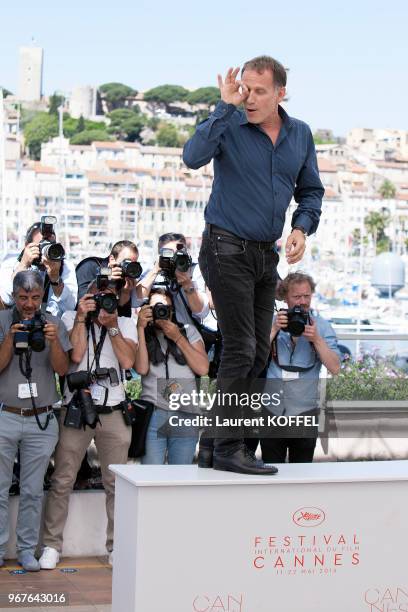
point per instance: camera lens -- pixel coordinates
(53, 250)
(37, 340)
(161, 311)
(182, 261)
(108, 302)
(132, 269)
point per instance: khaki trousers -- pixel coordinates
(112, 440)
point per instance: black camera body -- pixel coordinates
(161, 312)
(170, 262)
(32, 336)
(48, 247)
(83, 379)
(108, 301)
(104, 279)
(81, 410)
(297, 320)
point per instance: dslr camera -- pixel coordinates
(161, 312)
(32, 336)
(81, 410)
(170, 262)
(131, 269)
(48, 247)
(297, 319)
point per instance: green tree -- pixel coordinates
(204, 95)
(375, 223)
(126, 124)
(80, 125)
(55, 102)
(6, 92)
(319, 140)
(166, 94)
(40, 129)
(88, 136)
(168, 136)
(116, 94)
(72, 126)
(387, 190)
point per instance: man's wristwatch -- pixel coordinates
(113, 331)
(302, 229)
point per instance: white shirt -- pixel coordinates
(181, 312)
(107, 359)
(55, 305)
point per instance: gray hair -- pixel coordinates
(28, 280)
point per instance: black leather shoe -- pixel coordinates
(242, 461)
(205, 457)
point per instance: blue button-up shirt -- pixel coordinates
(254, 180)
(302, 394)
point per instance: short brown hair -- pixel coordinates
(265, 62)
(293, 278)
(123, 244)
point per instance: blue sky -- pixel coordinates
(348, 60)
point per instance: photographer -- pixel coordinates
(32, 348)
(175, 270)
(103, 345)
(122, 254)
(300, 344)
(42, 252)
(169, 358)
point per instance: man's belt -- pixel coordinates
(27, 412)
(108, 409)
(259, 244)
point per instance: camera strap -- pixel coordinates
(27, 371)
(97, 353)
(291, 368)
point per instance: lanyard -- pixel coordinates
(96, 346)
(97, 353)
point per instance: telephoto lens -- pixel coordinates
(131, 269)
(52, 250)
(89, 414)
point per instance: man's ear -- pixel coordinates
(281, 94)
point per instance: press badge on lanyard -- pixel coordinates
(24, 390)
(289, 375)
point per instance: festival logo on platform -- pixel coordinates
(391, 599)
(308, 517)
(310, 552)
(218, 603)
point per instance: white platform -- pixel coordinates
(316, 538)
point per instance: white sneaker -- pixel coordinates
(49, 558)
(110, 559)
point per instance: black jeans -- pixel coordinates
(301, 450)
(241, 276)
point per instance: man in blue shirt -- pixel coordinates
(297, 360)
(262, 158)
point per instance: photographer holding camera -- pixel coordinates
(169, 357)
(300, 344)
(175, 271)
(125, 271)
(93, 407)
(41, 252)
(32, 348)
